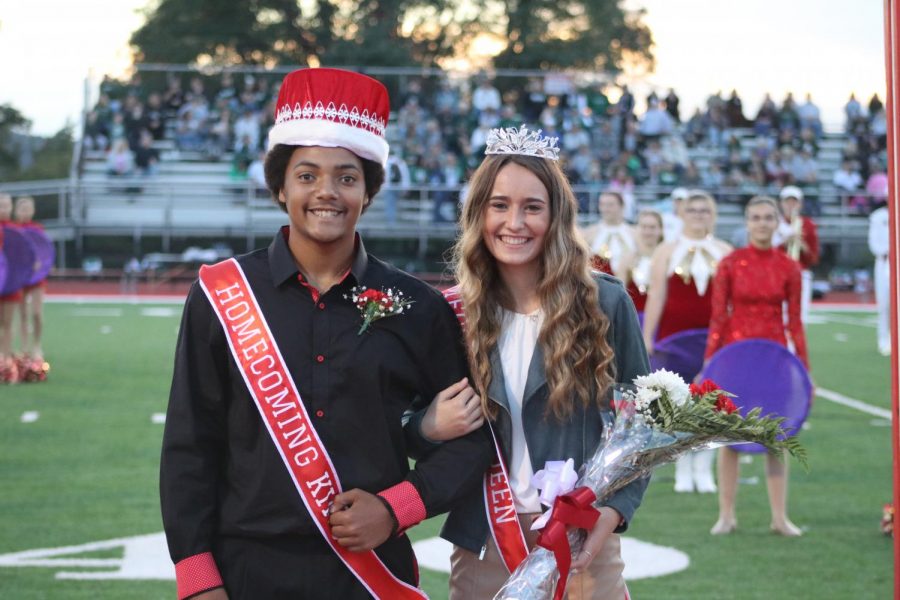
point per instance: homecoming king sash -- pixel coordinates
(275, 395)
(499, 503)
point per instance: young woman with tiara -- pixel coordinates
(546, 339)
(679, 298)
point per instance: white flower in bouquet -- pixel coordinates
(645, 397)
(665, 382)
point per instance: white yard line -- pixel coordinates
(823, 319)
(97, 312)
(843, 307)
(853, 403)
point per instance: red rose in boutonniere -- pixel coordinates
(375, 304)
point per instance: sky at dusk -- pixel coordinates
(826, 47)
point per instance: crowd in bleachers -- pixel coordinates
(439, 126)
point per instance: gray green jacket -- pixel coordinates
(547, 437)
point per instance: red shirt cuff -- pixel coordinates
(196, 574)
(406, 503)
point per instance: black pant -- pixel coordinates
(301, 568)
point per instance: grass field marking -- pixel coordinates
(30, 416)
(160, 311)
(827, 319)
(853, 403)
(144, 557)
(838, 307)
(642, 559)
(158, 418)
(94, 311)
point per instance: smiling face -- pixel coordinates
(516, 218)
(324, 193)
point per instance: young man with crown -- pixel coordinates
(284, 466)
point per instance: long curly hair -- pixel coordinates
(578, 360)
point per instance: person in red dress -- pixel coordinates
(9, 372)
(611, 237)
(679, 298)
(31, 364)
(635, 267)
(752, 286)
(798, 236)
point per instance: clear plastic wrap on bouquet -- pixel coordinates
(642, 436)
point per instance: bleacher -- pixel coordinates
(196, 197)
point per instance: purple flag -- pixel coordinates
(681, 353)
(19, 260)
(762, 373)
(44, 253)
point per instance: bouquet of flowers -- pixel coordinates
(657, 419)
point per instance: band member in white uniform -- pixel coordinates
(879, 245)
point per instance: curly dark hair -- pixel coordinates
(276, 165)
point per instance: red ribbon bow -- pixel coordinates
(575, 509)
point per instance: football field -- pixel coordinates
(79, 510)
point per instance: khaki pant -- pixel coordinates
(474, 579)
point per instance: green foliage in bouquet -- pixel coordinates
(706, 411)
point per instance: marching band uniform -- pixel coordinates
(609, 243)
(32, 367)
(638, 280)
(9, 367)
(751, 287)
(691, 269)
(690, 276)
(879, 246)
(804, 249)
(234, 507)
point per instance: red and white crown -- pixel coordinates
(333, 108)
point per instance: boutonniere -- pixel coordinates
(375, 304)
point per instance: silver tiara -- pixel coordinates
(509, 140)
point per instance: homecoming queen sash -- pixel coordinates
(498, 497)
(275, 395)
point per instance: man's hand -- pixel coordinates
(360, 521)
(453, 413)
(216, 594)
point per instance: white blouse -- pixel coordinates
(518, 338)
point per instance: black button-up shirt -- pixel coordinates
(221, 473)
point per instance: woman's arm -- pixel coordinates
(721, 300)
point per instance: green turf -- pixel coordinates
(87, 471)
